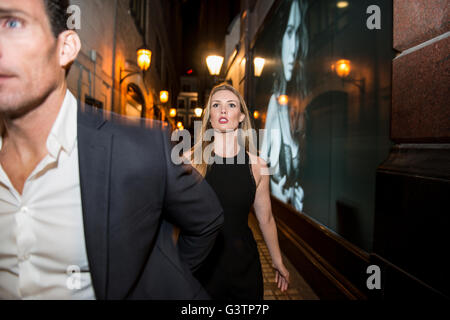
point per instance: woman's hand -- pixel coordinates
(281, 276)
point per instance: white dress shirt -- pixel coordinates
(42, 245)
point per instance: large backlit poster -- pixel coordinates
(324, 99)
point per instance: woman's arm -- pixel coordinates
(263, 211)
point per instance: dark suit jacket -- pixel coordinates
(131, 195)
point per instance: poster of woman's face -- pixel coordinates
(326, 128)
(284, 119)
(290, 43)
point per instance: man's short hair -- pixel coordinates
(57, 15)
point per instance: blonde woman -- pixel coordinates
(233, 269)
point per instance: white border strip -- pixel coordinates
(423, 44)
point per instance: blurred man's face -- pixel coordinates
(29, 59)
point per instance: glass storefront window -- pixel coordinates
(324, 98)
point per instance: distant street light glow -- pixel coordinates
(198, 112)
(164, 96)
(342, 4)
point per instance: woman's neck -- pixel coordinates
(226, 143)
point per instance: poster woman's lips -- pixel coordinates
(223, 120)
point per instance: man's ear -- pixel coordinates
(69, 46)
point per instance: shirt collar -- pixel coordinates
(63, 134)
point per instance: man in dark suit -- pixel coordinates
(87, 199)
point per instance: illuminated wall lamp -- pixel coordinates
(163, 96)
(259, 66)
(198, 112)
(283, 99)
(214, 64)
(342, 68)
(144, 59)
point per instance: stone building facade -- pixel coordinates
(106, 73)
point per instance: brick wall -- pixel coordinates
(413, 184)
(421, 78)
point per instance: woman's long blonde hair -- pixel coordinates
(247, 139)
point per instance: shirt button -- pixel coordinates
(24, 257)
(24, 210)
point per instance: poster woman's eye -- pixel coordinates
(232, 105)
(289, 31)
(215, 105)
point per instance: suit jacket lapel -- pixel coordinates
(94, 152)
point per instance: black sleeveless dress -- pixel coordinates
(233, 269)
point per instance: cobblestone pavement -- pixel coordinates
(298, 287)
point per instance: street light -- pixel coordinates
(342, 4)
(283, 99)
(144, 59)
(259, 66)
(198, 112)
(173, 112)
(343, 68)
(164, 96)
(214, 64)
